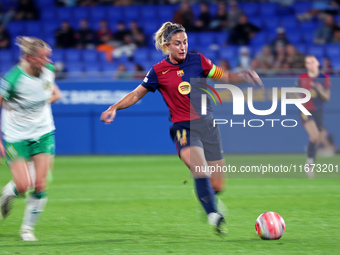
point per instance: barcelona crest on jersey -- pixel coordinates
(180, 73)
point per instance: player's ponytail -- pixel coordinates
(29, 45)
(163, 35)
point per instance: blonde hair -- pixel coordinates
(163, 35)
(311, 56)
(30, 45)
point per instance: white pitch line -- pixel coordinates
(165, 198)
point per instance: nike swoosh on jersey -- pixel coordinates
(166, 71)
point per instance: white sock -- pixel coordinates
(10, 190)
(34, 207)
(310, 161)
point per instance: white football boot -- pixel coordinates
(5, 204)
(218, 222)
(26, 234)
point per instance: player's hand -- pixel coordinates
(108, 115)
(317, 86)
(252, 77)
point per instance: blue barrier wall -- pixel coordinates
(144, 127)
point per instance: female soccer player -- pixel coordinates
(199, 145)
(28, 128)
(319, 86)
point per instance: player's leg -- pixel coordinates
(190, 150)
(32, 172)
(36, 201)
(217, 177)
(213, 153)
(193, 158)
(21, 182)
(217, 181)
(314, 137)
(16, 156)
(20, 175)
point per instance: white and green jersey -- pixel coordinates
(26, 112)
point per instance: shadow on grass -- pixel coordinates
(37, 244)
(143, 235)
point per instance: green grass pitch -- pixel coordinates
(141, 205)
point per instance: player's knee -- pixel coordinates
(22, 187)
(314, 138)
(217, 184)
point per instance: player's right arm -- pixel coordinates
(150, 83)
(127, 101)
(323, 90)
(6, 91)
(7, 85)
(2, 148)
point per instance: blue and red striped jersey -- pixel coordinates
(173, 82)
(306, 82)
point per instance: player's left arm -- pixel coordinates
(217, 73)
(249, 76)
(56, 94)
(323, 91)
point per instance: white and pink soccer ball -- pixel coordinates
(270, 226)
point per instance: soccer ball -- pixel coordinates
(270, 226)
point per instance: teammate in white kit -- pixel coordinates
(28, 129)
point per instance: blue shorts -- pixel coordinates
(317, 117)
(200, 133)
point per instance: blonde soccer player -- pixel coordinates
(197, 141)
(28, 129)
